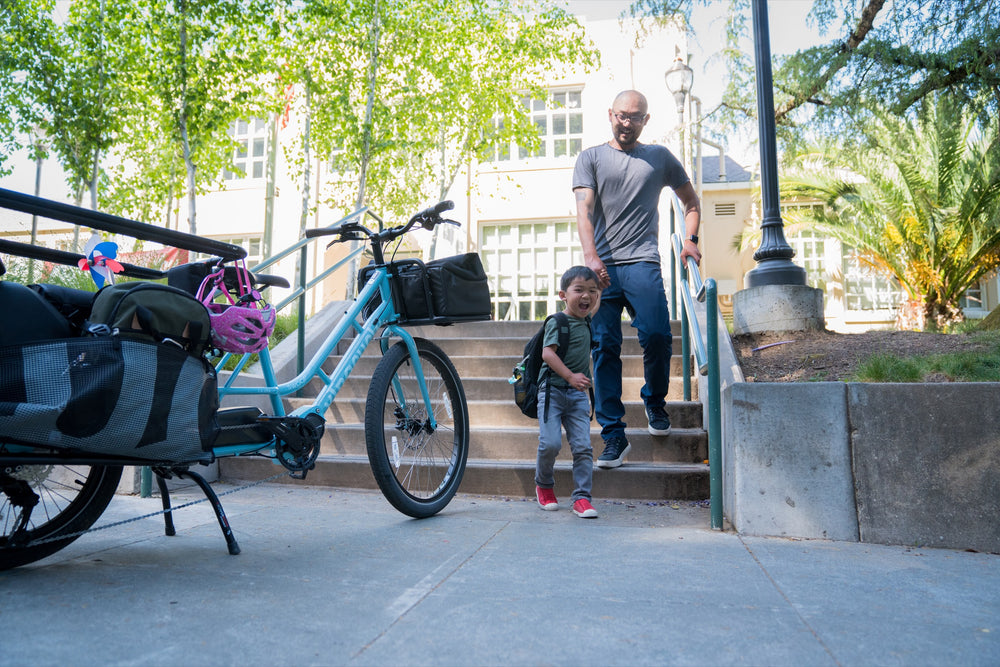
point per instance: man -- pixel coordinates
(617, 187)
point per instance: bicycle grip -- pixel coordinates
(437, 209)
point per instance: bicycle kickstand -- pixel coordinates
(168, 516)
(213, 499)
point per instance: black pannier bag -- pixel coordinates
(443, 291)
(129, 397)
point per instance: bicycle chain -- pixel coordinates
(57, 538)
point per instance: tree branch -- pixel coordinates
(856, 37)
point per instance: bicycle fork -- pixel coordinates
(402, 413)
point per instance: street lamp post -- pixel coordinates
(774, 256)
(679, 79)
(776, 297)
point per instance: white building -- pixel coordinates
(518, 211)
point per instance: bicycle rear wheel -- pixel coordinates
(71, 499)
(417, 467)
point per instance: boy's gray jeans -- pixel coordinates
(568, 408)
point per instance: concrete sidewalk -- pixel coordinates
(339, 577)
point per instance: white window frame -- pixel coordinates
(250, 155)
(563, 108)
(524, 261)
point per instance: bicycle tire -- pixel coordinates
(418, 471)
(71, 499)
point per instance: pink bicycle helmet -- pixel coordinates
(243, 325)
(240, 329)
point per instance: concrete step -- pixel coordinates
(494, 387)
(489, 365)
(677, 481)
(683, 445)
(511, 328)
(501, 413)
(497, 346)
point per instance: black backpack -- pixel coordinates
(525, 376)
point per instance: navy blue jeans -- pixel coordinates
(638, 287)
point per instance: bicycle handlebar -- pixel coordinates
(354, 231)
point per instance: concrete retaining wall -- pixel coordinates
(911, 464)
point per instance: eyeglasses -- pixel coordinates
(633, 119)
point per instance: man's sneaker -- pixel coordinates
(615, 449)
(546, 499)
(583, 508)
(659, 422)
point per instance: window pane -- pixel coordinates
(258, 147)
(559, 148)
(258, 170)
(576, 123)
(558, 124)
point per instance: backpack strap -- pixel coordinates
(593, 401)
(562, 321)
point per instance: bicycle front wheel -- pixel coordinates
(418, 466)
(71, 499)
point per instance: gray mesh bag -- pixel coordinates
(128, 397)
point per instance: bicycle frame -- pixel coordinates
(384, 316)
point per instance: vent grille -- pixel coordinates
(727, 208)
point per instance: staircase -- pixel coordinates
(504, 442)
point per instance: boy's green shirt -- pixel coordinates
(577, 357)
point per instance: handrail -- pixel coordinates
(302, 284)
(706, 353)
(76, 215)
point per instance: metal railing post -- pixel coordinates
(714, 405)
(301, 332)
(685, 341)
(706, 352)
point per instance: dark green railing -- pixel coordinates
(687, 281)
(303, 283)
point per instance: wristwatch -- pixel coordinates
(693, 239)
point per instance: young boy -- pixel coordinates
(567, 389)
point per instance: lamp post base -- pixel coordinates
(778, 271)
(778, 308)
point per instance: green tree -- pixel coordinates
(411, 90)
(195, 66)
(65, 92)
(894, 53)
(19, 19)
(920, 202)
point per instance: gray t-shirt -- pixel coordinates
(627, 187)
(577, 357)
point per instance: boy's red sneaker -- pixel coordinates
(546, 499)
(583, 508)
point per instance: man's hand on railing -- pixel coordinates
(690, 249)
